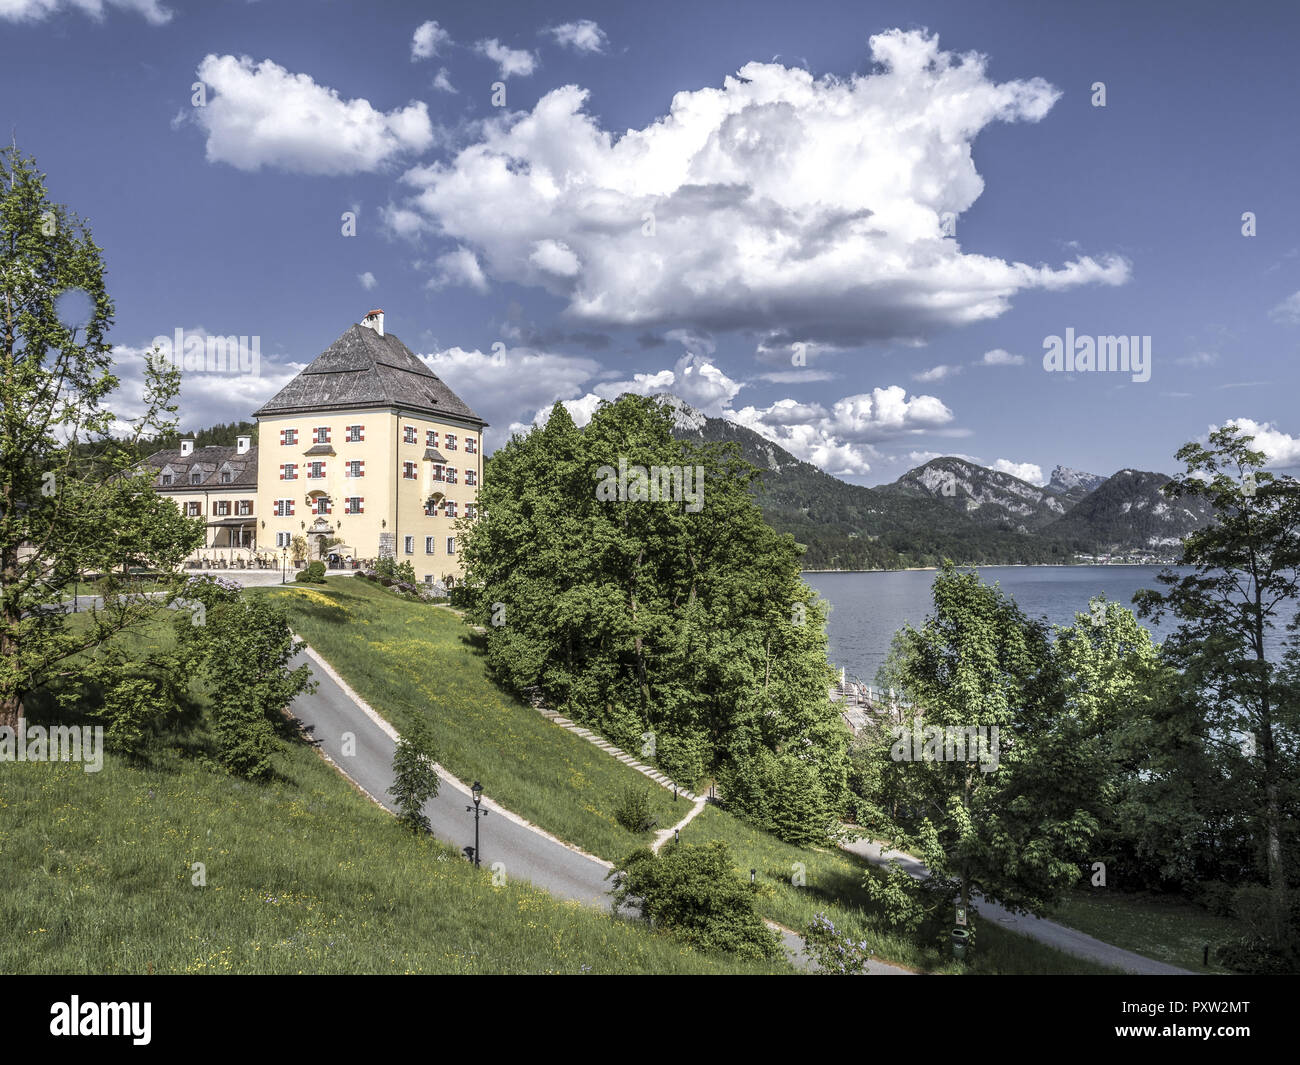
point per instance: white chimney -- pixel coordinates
(242, 444)
(187, 448)
(374, 320)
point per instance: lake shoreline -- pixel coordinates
(865, 614)
(1004, 565)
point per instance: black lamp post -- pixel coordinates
(476, 790)
(284, 565)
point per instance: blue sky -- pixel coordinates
(825, 247)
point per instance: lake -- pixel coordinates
(868, 608)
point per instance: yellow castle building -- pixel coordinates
(365, 454)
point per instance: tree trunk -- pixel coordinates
(1279, 904)
(11, 709)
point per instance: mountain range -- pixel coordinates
(953, 508)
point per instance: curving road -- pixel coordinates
(522, 850)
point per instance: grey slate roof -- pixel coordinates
(209, 462)
(434, 454)
(364, 369)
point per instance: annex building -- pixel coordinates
(365, 454)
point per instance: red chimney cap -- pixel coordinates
(371, 314)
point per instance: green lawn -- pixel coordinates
(405, 657)
(303, 876)
(1168, 930)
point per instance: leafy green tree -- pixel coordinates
(1013, 822)
(678, 627)
(70, 501)
(415, 773)
(1117, 686)
(247, 648)
(694, 892)
(1235, 644)
(779, 793)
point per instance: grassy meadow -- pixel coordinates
(303, 875)
(406, 657)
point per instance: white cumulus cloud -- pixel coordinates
(694, 378)
(841, 439)
(367, 280)
(458, 267)
(806, 209)
(36, 10)
(262, 115)
(1026, 471)
(1281, 450)
(512, 62)
(582, 36)
(427, 39)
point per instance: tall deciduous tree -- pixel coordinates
(678, 627)
(1014, 822)
(67, 502)
(1233, 614)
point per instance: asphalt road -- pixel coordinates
(510, 846)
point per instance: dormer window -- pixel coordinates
(196, 478)
(227, 476)
(167, 479)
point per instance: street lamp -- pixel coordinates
(476, 790)
(284, 565)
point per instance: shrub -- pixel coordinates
(693, 892)
(313, 574)
(392, 570)
(1258, 950)
(633, 810)
(834, 952)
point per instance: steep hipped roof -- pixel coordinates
(364, 369)
(208, 462)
